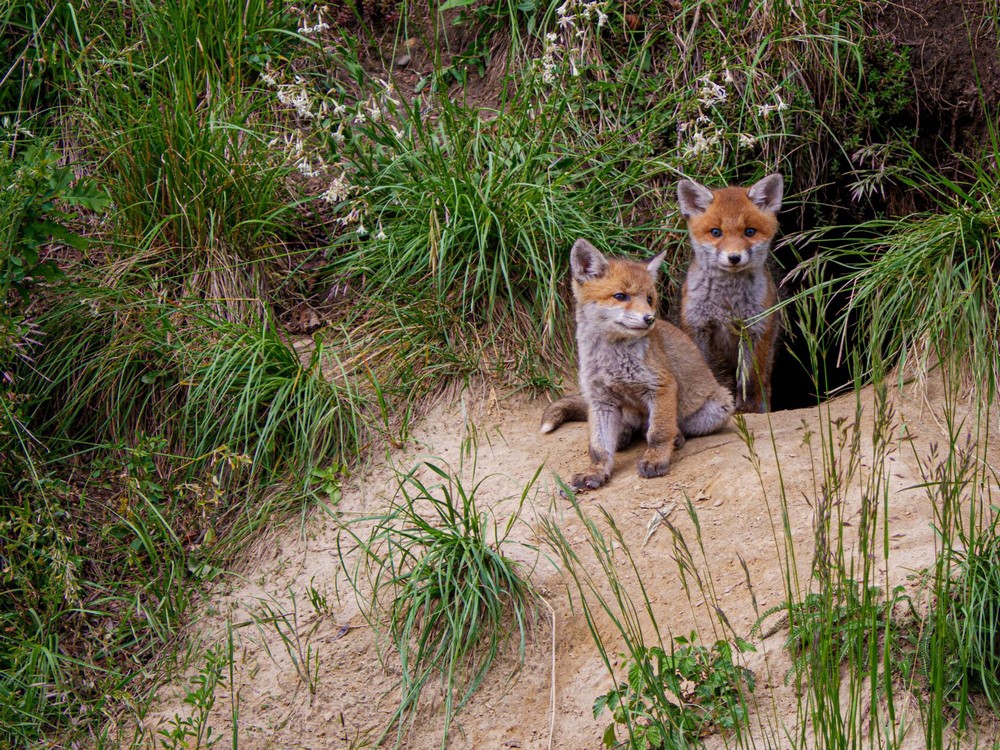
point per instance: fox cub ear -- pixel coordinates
(766, 194)
(654, 265)
(586, 261)
(693, 198)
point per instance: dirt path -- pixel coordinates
(739, 513)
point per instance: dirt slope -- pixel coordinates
(739, 514)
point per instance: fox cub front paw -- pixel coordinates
(653, 465)
(588, 480)
(752, 405)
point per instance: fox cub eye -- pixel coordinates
(621, 297)
(715, 232)
(749, 231)
(649, 300)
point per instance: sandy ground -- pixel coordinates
(740, 561)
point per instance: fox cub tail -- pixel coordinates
(568, 409)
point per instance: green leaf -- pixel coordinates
(609, 736)
(600, 704)
(48, 271)
(88, 195)
(452, 4)
(654, 735)
(745, 646)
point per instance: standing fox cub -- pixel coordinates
(728, 284)
(636, 372)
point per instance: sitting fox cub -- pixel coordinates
(636, 372)
(727, 284)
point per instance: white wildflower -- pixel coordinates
(306, 30)
(711, 93)
(747, 141)
(701, 143)
(307, 168)
(727, 76)
(338, 191)
(548, 69)
(549, 58)
(765, 110)
(267, 78)
(296, 96)
(698, 143)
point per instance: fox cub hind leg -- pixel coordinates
(710, 417)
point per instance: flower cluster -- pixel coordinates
(575, 18)
(354, 217)
(571, 12)
(702, 141)
(711, 93)
(321, 25)
(293, 146)
(321, 114)
(765, 110)
(708, 130)
(296, 96)
(338, 191)
(13, 129)
(549, 58)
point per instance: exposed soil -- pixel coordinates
(739, 513)
(955, 63)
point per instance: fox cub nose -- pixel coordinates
(648, 319)
(735, 258)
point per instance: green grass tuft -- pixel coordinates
(434, 570)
